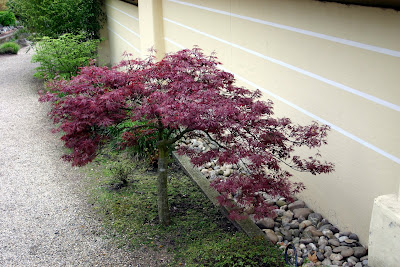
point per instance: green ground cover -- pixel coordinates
(124, 195)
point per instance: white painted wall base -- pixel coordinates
(384, 239)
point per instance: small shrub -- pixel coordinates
(7, 18)
(64, 55)
(9, 48)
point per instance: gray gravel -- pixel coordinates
(44, 218)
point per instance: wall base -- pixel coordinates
(384, 244)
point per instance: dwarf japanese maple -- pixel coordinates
(187, 95)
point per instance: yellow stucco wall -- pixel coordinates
(321, 61)
(123, 29)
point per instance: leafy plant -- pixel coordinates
(7, 18)
(187, 95)
(64, 55)
(9, 48)
(54, 18)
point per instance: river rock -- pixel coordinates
(279, 212)
(320, 256)
(328, 251)
(271, 235)
(328, 233)
(304, 224)
(353, 236)
(359, 252)
(353, 260)
(266, 223)
(347, 252)
(280, 203)
(338, 249)
(327, 262)
(296, 205)
(286, 219)
(364, 258)
(227, 172)
(335, 257)
(350, 241)
(294, 225)
(334, 242)
(313, 246)
(315, 218)
(306, 240)
(296, 232)
(322, 241)
(346, 233)
(302, 212)
(315, 232)
(334, 229)
(325, 227)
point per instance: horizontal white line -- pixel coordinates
(337, 128)
(126, 41)
(129, 15)
(286, 65)
(135, 33)
(293, 29)
(174, 43)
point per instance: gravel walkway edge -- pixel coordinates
(44, 220)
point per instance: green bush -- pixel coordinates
(64, 55)
(7, 18)
(9, 48)
(54, 17)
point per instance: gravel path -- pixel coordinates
(44, 219)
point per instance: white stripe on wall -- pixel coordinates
(336, 128)
(373, 48)
(135, 33)
(294, 68)
(129, 15)
(126, 41)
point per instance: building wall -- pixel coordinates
(333, 63)
(123, 29)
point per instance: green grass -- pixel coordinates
(199, 234)
(9, 48)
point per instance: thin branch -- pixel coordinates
(215, 141)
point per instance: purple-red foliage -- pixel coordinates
(186, 94)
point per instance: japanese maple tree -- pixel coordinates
(186, 94)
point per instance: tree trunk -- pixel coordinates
(162, 185)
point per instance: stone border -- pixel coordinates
(6, 37)
(246, 225)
